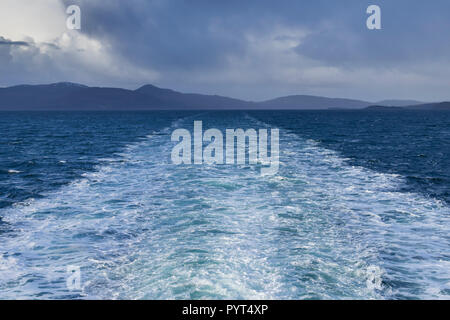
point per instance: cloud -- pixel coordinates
(412, 32)
(24, 19)
(5, 42)
(248, 49)
(36, 50)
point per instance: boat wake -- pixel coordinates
(140, 227)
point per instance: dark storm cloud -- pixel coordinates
(164, 35)
(412, 31)
(201, 34)
(252, 49)
(190, 34)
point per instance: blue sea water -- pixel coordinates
(359, 208)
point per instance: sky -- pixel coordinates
(253, 49)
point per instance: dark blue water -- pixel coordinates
(41, 151)
(358, 209)
(414, 144)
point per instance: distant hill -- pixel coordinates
(313, 102)
(426, 106)
(173, 99)
(431, 106)
(73, 96)
(398, 103)
(383, 108)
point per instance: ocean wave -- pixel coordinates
(143, 228)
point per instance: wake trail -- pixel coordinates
(141, 227)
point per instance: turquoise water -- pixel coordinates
(343, 218)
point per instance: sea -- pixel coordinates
(359, 208)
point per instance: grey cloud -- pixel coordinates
(412, 32)
(180, 35)
(204, 46)
(6, 42)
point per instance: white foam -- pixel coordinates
(144, 228)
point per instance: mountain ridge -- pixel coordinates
(74, 96)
